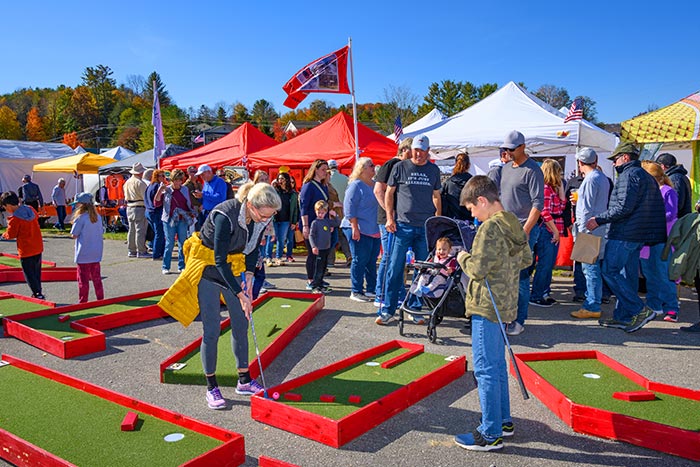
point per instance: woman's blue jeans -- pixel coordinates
(179, 229)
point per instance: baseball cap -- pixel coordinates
(421, 142)
(203, 168)
(84, 197)
(332, 164)
(586, 156)
(623, 148)
(513, 140)
(669, 160)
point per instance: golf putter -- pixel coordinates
(255, 342)
(390, 242)
(526, 396)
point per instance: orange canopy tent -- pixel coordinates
(333, 139)
(228, 150)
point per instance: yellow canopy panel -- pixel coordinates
(676, 122)
(85, 163)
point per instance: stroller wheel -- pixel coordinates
(432, 334)
(401, 327)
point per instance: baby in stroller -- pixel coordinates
(432, 282)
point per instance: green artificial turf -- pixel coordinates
(14, 262)
(567, 377)
(53, 327)
(270, 319)
(85, 429)
(13, 306)
(369, 382)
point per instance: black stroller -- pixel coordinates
(451, 302)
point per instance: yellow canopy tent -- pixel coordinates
(676, 125)
(85, 163)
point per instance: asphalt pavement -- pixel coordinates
(423, 434)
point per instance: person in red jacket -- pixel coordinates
(24, 226)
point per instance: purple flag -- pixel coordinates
(156, 120)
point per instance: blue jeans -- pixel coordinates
(594, 286)
(381, 270)
(524, 282)
(579, 280)
(269, 245)
(363, 268)
(179, 229)
(621, 272)
(661, 291)
(546, 252)
(489, 356)
(158, 244)
(291, 241)
(281, 231)
(61, 215)
(405, 236)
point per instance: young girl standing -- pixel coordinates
(87, 231)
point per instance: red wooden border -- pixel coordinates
(16, 450)
(48, 264)
(336, 433)
(606, 424)
(264, 461)
(6, 295)
(63, 274)
(272, 351)
(94, 340)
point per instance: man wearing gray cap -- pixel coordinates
(681, 183)
(522, 193)
(637, 216)
(592, 200)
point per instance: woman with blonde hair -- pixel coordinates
(87, 231)
(360, 227)
(661, 291)
(547, 244)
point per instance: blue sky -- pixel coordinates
(626, 56)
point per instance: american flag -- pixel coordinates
(398, 129)
(575, 111)
(199, 138)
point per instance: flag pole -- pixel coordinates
(354, 104)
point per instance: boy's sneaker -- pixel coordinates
(39, 296)
(640, 319)
(541, 302)
(317, 290)
(215, 399)
(508, 429)
(671, 316)
(514, 329)
(248, 389)
(358, 297)
(309, 286)
(384, 319)
(475, 442)
(549, 300)
(269, 285)
(613, 323)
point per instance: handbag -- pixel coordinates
(298, 236)
(586, 248)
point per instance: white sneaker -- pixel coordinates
(358, 297)
(165, 272)
(514, 329)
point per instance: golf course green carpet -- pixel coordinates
(62, 330)
(591, 383)
(85, 429)
(12, 306)
(366, 379)
(11, 262)
(270, 317)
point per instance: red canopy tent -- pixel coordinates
(228, 150)
(333, 139)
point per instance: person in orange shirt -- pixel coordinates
(24, 226)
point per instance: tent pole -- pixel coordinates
(354, 104)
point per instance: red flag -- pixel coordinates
(327, 74)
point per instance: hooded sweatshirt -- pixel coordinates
(500, 250)
(24, 226)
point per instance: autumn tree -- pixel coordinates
(9, 126)
(100, 83)
(263, 115)
(71, 139)
(450, 97)
(240, 113)
(278, 131)
(35, 126)
(320, 110)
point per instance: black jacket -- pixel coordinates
(451, 190)
(681, 183)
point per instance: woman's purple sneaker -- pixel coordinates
(215, 399)
(250, 388)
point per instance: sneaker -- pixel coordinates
(326, 289)
(550, 300)
(358, 297)
(658, 312)
(248, 389)
(370, 295)
(317, 290)
(613, 323)
(378, 303)
(384, 319)
(475, 442)
(308, 286)
(40, 296)
(165, 272)
(419, 320)
(269, 285)
(508, 429)
(692, 328)
(277, 262)
(640, 319)
(325, 284)
(290, 259)
(671, 316)
(144, 255)
(541, 302)
(262, 290)
(514, 329)
(585, 314)
(179, 271)
(131, 255)
(215, 399)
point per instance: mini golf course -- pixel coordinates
(278, 318)
(344, 400)
(86, 425)
(597, 395)
(8, 260)
(13, 304)
(74, 330)
(11, 270)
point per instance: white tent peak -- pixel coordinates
(425, 122)
(118, 153)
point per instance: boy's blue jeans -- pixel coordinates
(488, 353)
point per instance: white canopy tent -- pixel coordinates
(431, 118)
(480, 130)
(117, 153)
